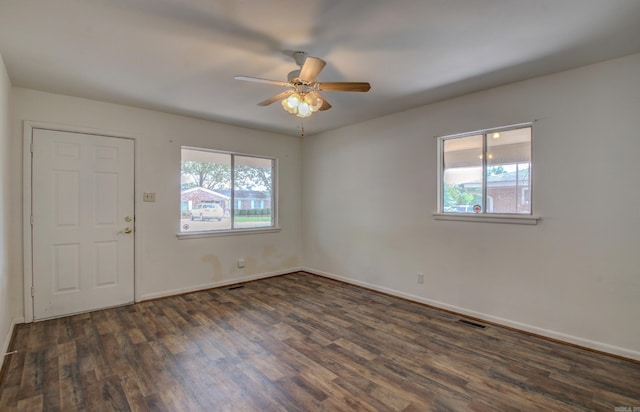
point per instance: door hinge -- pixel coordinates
(32, 291)
(31, 147)
(31, 220)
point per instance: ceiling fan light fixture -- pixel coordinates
(299, 104)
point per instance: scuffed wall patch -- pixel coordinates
(270, 260)
(216, 266)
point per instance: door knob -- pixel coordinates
(128, 219)
(126, 230)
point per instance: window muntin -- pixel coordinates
(487, 172)
(241, 187)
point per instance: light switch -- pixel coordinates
(149, 197)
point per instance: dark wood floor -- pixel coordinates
(300, 343)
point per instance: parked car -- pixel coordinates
(207, 211)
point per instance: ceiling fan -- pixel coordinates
(302, 96)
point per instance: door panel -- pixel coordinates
(66, 268)
(82, 191)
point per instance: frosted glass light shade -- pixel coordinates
(304, 110)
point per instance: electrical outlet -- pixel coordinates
(241, 262)
(149, 197)
(420, 278)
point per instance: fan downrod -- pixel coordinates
(300, 57)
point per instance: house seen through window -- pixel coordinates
(487, 172)
(226, 191)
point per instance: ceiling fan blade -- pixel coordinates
(325, 105)
(344, 86)
(310, 69)
(259, 80)
(275, 98)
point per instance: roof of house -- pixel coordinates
(205, 190)
(510, 176)
(226, 193)
(503, 179)
(245, 194)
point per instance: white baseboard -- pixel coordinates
(575, 340)
(173, 292)
(7, 339)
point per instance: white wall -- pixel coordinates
(164, 263)
(370, 190)
(10, 290)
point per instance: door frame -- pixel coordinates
(27, 191)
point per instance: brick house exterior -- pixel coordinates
(248, 199)
(506, 192)
(244, 199)
(192, 197)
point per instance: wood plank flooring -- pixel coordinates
(299, 343)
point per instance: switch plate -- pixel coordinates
(149, 196)
(241, 262)
(420, 278)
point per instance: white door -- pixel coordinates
(82, 207)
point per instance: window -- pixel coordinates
(226, 191)
(486, 173)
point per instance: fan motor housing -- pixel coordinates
(293, 76)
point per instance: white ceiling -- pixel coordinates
(180, 56)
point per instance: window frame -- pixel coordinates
(516, 218)
(274, 227)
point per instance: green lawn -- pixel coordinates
(252, 218)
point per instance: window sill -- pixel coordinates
(217, 233)
(485, 218)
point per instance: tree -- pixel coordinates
(218, 176)
(208, 175)
(253, 178)
(458, 195)
(496, 170)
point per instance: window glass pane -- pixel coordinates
(206, 190)
(462, 174)
(253, 192)
(508, 171)
(210, 198)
